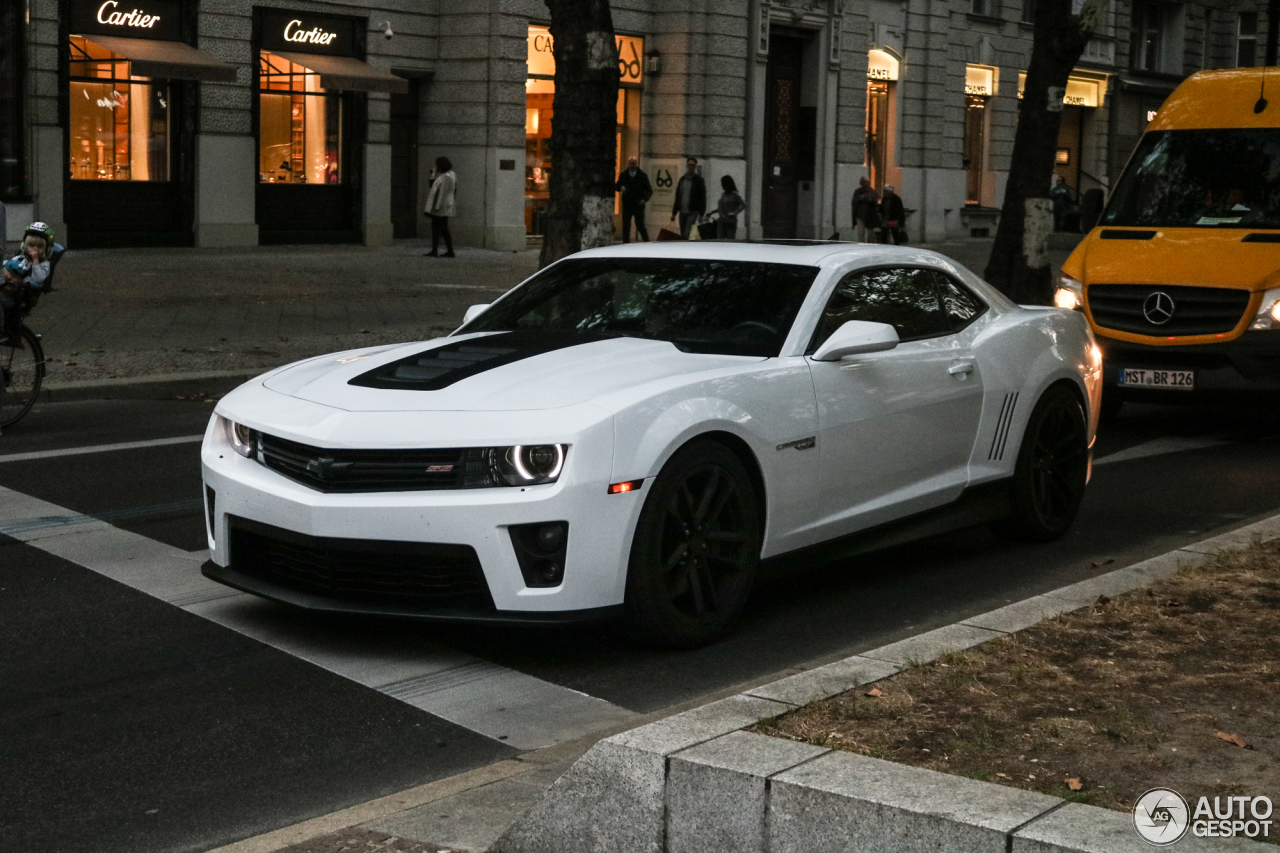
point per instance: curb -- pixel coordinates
(159, 386)
(695, 781)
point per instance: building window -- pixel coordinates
(1028, 11)
(1147, 37)
(299, 125)
(119, 122)
(985, 8)
(1247, 40)
(13, 126)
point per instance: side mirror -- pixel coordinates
(855, 337)
(473, 312)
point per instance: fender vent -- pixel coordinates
(1002, 427)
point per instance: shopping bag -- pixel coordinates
(708, 230)
(665, 236)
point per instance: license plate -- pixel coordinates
(1173, 380)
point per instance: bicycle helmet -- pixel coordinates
(17, 266)
(39, 229)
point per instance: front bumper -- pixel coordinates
(476, 520)
(1250, 364)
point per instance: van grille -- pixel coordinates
(1196, 310)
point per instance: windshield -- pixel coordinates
(724, 307)
(1222, 178)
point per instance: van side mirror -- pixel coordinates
(856, 337)
(473, 312)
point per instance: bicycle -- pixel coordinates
(22, 369)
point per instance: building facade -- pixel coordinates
(233, 123)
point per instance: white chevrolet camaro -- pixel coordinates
(633, 429)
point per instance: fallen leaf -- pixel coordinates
(1106, 562)
(366, 331)
(1002, 776)
(1230, 738)
(922, 749)
(1102, 601)
(875, 692)
(1075, 784)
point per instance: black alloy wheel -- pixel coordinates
(1051, 470)
(696, 548)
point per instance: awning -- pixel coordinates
(168, 59)
(343, 72)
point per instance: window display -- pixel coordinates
(300, 125)
(120, 122)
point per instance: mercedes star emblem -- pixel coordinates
(1158, 308)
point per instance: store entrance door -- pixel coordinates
(782, 137)
(404, 163)
(877, 132)
(1066, 160)
(974, 153)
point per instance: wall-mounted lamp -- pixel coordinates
(653, 62)
(386, 31)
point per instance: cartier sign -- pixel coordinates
(149, 19)
(307, 33)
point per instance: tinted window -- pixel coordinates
(1201, 178)
(725, 307)
(961, 306)
(906, 299)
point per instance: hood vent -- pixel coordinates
(1127, 235)
(443, 366)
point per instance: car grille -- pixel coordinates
(336, 471)
(359, 570)
(1196, 310)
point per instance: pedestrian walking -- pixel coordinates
(894, 217)
(440, 207)
(691, 198)
(727, 209)
(866, 206)
(633, 184)
(1060, 194)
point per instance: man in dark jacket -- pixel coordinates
(634, 185)
(691, 198)
(894, 217)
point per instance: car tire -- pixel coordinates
(1051, 470)
(696, 549)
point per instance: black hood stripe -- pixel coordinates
(441, 367)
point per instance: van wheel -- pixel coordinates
(1051, 471)
(695, 551)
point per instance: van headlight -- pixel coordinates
(1269, 312)
(242, 439)
(1069, 293)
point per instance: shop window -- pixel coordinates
(120, 122)
(13, 128)
(300, 126)
(1247, 39)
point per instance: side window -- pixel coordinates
(961, 306)
(906, 299)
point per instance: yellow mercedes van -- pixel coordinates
(1180, 279)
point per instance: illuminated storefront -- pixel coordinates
(1085, 93)
(980, 82)
(128, 139)
(307, 76)
(540, 91)
(882, 75)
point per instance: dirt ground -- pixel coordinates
(1159, 687)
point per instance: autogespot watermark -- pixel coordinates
(1163, 817)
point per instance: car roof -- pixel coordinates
(815, 253)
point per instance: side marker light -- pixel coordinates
(629, 486)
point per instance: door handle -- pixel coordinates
(962, 369)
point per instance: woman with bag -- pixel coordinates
(727, 210)
(440, 207)
(894, 217)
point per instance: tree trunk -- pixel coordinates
(1019, 262)
(584, 124)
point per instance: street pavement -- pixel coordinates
(147, 710)
(120, 314)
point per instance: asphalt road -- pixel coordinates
(132, 724)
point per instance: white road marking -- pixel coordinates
(1159, 447)
(396, 659)
(99, 448)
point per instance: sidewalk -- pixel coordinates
(125, 314)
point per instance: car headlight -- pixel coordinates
(1069, 293)
(1269, 312)
(242, 439)
(517, 465)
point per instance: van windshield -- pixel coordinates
(1219, 178)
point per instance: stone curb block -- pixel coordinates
(696, 781)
